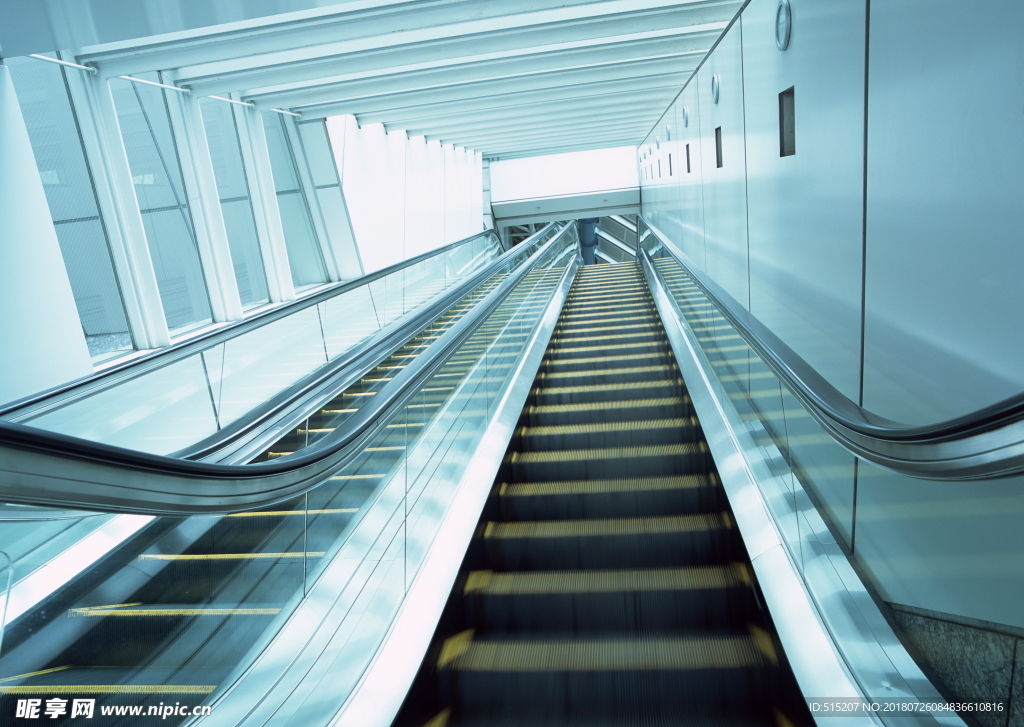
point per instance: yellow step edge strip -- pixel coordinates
(230, 556)
(97, 611)
(147, 689)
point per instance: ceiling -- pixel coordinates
(507, 79)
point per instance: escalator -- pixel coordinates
(607, 584)
(173, 613)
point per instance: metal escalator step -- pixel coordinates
(611, 316)
(610, 340)
(638, 349)
(609, 433)
(597, 676)
(607, 498)
(610, 462)
(606, 291)
(631, 327)
(593, 602)
(608, 581)
(609, 654)
(608, 299)
(600, 427)
(587, 312)
(656, 407)
(642, 526)
(588, 363)
(625, 373)
(590, 487)
(553, 395)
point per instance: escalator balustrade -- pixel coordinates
(175, 612)
(607, 584)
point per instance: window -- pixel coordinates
(304, 254)
(787, 123)
(67, 179)
(233, 190)
(144, 118)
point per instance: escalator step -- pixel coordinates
(646, 324)
(609, 340)
(608, 376)
(633, 497)
(651, 542)
(598, 675)
(609, 434)
(661, 459)
(624, 410)
(588, 363)
(554, 395)
(639, 349)
(623, 600)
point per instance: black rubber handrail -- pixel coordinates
(46, 468)
(985, 444)
(161, 357)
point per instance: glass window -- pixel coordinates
(144, 117)
(304, 254)
(233, 189)
(56, 140)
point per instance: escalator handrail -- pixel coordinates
(159, 358)
(349, 366)
(985, 444)
(46, 468)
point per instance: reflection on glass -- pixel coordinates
(233, 190)
(304, 254)
(144, 118)
(53, 130)
(172, 407)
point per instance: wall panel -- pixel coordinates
(725, 205)
(945, 212)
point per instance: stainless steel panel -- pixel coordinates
(805, 210)
(951, 547)
(945, 129)
(725, 207)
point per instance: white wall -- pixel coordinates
(41, 340)
(405, 196)
(914, 269)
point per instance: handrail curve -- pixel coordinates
(985, 444)
(46, 468)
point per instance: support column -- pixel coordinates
(115, 193)
(204, 201)
(256, 156)
(42, 344)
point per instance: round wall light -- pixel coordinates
(783, 24)
(715, 87)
